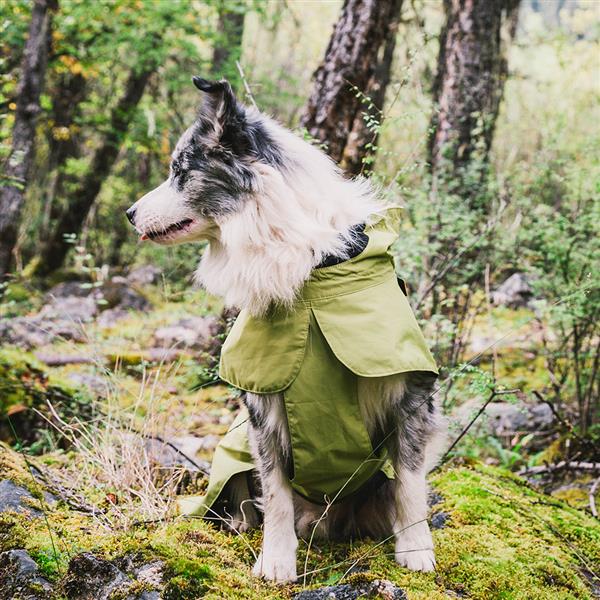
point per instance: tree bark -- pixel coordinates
(71, 221)
(357, 61)
(63, 141)
(18, 166)
(467, 90)
(362, 139)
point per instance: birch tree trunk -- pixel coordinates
(357, 60)
(17, 168)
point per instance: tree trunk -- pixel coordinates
(82, 198)
(353, 67)
(467, 90)
(362, 140)
(18, 166)
(63, 141)
(228, 45)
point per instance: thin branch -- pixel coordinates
(493, 395)
(560, 419)
(592, 497)
(246, 85)
(563, 464)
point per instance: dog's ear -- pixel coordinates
(219, 106)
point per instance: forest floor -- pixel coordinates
(103, 422)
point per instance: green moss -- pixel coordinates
(187, 579)
(503, 540)
(26, 389)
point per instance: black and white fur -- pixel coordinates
(272, 207)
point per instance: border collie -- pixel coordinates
(241, 181)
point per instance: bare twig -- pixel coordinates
(245, 82)
(592, 497)
(173, 447)
(58, 360)
(493, 394)
(563, 464)
(559, 418)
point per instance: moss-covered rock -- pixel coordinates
(28, 397)
(500, 539)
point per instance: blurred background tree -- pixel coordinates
(19, 163)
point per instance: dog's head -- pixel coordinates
(216, 165)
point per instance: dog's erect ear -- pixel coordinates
(219, 105)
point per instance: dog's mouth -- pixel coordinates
(168, 233)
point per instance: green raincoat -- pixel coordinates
(350, 320)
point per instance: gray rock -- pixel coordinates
(20, 577)
(434, 498)
(16, 498)
(35, 331)
(380, 588)
(13, 497)
(98, 386)
(515, 292)
(144, 275)
(505, 418)
(92, 578)
(118, 292)
(69, 309)
(111, 316)
(154, 595)
(165, 454)
(150, 573)
(191, 444)
(66, 289)
(61, 318)
(190, 332)
(439, 520)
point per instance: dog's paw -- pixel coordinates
(416, 560)
(280, 569)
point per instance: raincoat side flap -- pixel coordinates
(232, 456)
(373, 332)
(263, 355)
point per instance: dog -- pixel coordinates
(273, 207)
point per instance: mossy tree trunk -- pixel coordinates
(18, 166)
(357, 61)
(467, 90)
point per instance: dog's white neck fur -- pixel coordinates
(267, 250)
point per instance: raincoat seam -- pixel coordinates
(354, 370)
(309, 302)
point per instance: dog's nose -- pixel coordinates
(130, 212)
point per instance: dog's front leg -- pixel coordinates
(413, 542)
(416, 426)
(269, 439)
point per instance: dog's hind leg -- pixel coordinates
(270, 444)
(415, 425)
(237, 509)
